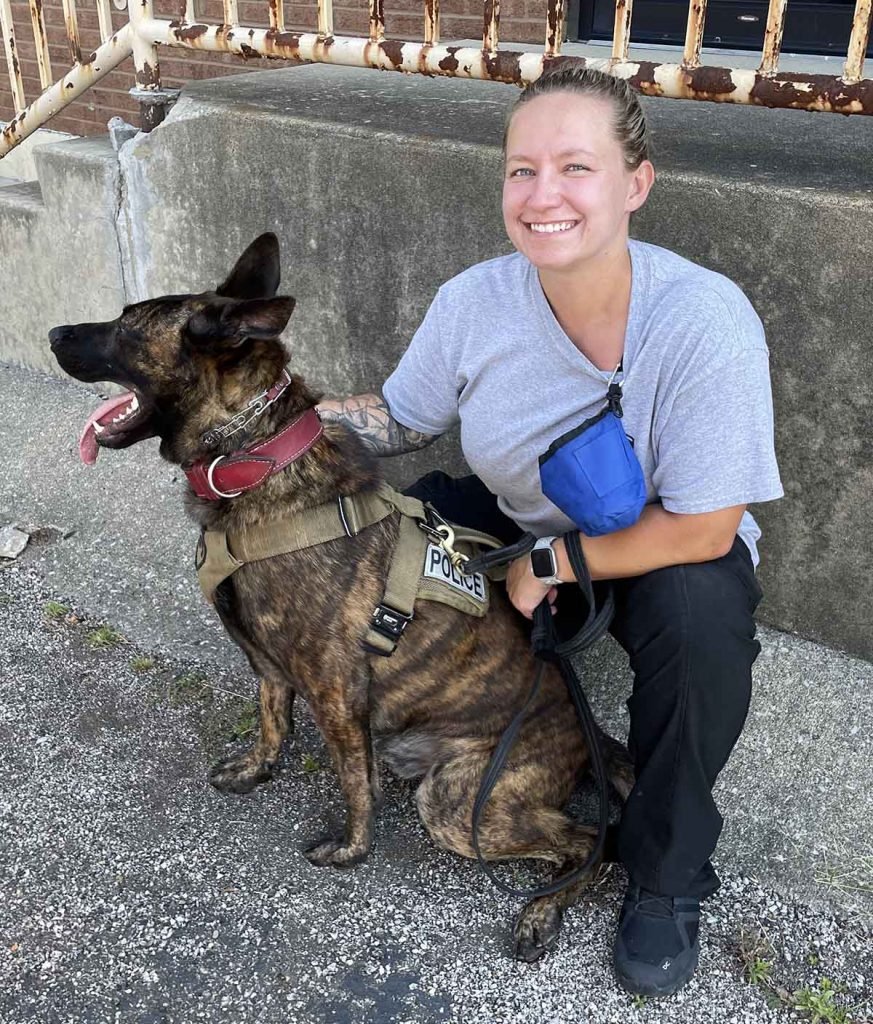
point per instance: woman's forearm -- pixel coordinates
(658, 539)
(368, 416)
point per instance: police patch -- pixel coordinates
(438, 566)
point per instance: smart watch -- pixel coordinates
(544, 562)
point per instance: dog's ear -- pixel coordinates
(257, 272)
(229, 324)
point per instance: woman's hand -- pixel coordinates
(525, 590)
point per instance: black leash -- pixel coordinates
(547, 647)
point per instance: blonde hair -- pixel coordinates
(628, 120)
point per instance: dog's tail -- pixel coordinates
(618, 764)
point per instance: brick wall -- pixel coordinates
(521, 21)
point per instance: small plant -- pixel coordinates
(758, 971)
(142, 663)
(246, 722)
(639, 1002)
(54, 610)
(189, 688)
(819, 1004)
(309, 764)
(103, 637)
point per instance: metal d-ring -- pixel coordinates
(211, 483)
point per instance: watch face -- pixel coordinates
(542, 561)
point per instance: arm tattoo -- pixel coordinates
(369, 418)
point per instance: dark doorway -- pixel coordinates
(811, 26)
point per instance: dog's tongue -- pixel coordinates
(88, 437)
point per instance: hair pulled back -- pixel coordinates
(628, 120)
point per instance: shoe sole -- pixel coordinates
(640, 989)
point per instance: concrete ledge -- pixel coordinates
(19, 162)
(382, 186)
(59, 258)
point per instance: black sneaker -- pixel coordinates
(656, 946)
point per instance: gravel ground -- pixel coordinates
(134, 892)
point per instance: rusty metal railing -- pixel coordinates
(848, 93)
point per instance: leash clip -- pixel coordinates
(444, 536)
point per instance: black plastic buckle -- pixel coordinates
(389, 622)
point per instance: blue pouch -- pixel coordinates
(592, 474)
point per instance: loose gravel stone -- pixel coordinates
(133, 892)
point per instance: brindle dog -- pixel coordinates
(434, 710)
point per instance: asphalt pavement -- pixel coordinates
(133, 892)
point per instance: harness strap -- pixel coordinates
(394, 613)
(219, 555)
(345, 517)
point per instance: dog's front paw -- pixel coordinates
(536, 929)
(336, 853)
(240, 773)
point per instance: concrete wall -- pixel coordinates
(59, 255)
(380, 187)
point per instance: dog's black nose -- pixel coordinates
(58, 334)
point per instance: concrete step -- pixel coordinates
(20, 197)
(58, 248)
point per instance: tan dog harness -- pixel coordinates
(421, 566)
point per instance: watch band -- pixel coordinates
(544, 562)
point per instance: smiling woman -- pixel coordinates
(633, 374)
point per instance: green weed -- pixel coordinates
(142, 663)
(54, 610)
(246, 722)
(758, 971)
(189, 688)
(103, 637)
(820, 1004)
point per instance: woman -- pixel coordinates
(521, 350)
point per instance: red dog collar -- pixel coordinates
(228, 476)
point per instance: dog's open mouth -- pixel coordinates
(116, 423)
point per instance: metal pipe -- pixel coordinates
(624, 10)
(377, 21)
(858, 41)
(72, 23)
(694, 33)
(491, 27)
(12, 65)
(78, 80)
(773, 37)
(104, 19)
(325, 18)
(555, 17)
(40, 40)
(231, 12)
(277, 15)
(431, 22)
(145, 58)
(721, 85)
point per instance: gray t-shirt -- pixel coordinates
(695, 379)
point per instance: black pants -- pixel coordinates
(689, 632)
